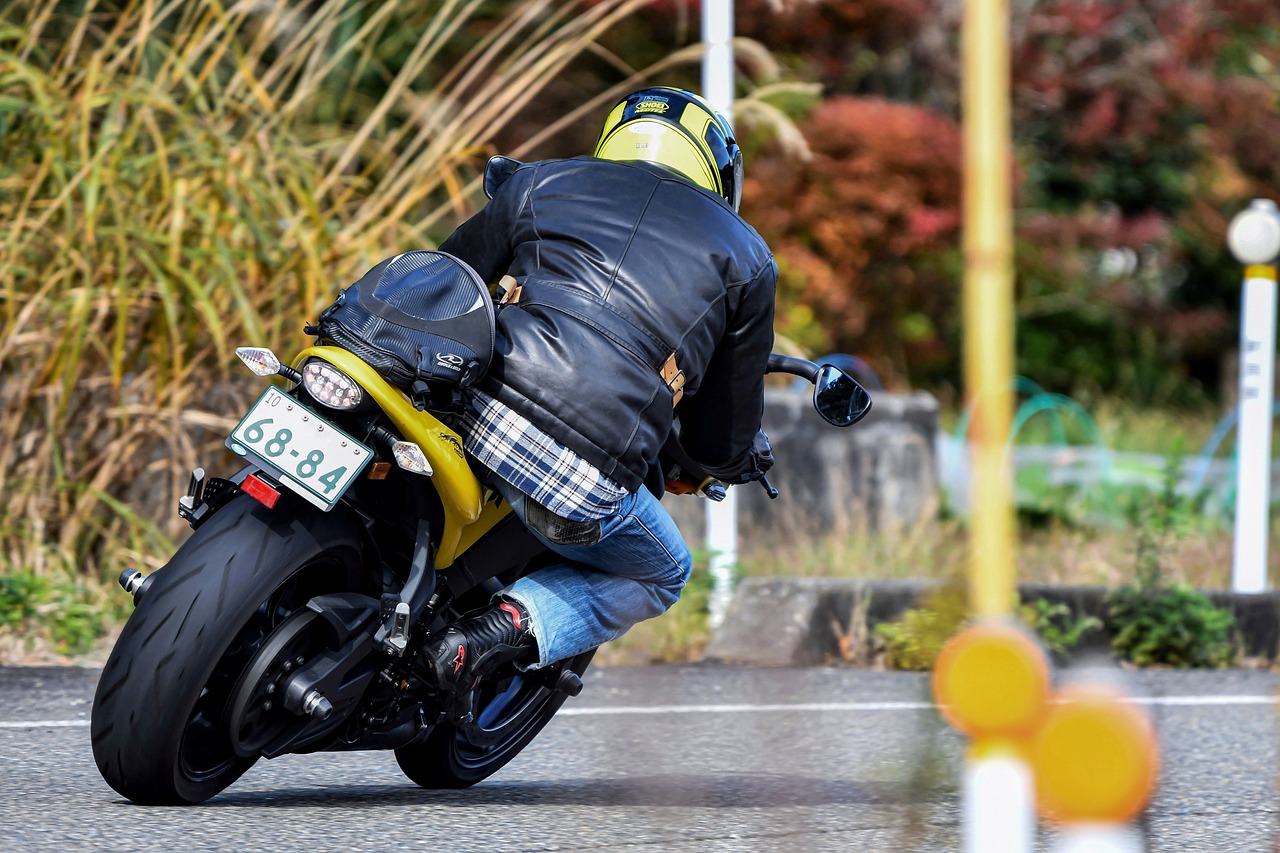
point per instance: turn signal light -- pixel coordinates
(260, 360)
(410, 457)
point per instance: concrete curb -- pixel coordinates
(800, 621)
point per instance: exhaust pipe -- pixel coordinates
(136, 584)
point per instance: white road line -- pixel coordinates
(792, 708)
(785, 708)
(1178, 701)
(1207, 700)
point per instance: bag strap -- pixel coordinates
(675, 379)
(510, 290)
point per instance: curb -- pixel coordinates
(804, 619)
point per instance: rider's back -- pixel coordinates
(620, 265)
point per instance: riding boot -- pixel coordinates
(477, 645)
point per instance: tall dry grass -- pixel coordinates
(178, 178)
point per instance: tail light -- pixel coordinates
(330, 386)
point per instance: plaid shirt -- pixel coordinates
(535, 463)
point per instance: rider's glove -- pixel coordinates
(762, 451)
(758, 461)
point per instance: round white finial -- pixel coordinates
(1254, 235)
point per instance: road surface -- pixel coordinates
(670, 758)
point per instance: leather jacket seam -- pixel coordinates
(533, 212)
(587, 321)
(533, 299)
(626, 249)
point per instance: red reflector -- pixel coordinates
(260, 491)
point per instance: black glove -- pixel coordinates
(748, 467)
(762, 453)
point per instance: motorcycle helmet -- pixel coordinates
(677, 129)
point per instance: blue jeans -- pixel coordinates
(635, 572)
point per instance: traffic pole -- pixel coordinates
(1254, 239)
(1007, 668)
(992, 682)
(722, 542)
(717, 88)
(988, 301)
(717, 56)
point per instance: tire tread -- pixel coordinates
(171, 644)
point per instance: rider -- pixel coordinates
(634, 293)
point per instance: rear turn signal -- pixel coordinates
(410, 457)
(260, 360)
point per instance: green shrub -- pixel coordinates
(1158, 623)
(67, 613)
(913, 641)
(1054, 624)
(1173, 625)
(19, 595)
(75, 625)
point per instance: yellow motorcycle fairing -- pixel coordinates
(467, 516)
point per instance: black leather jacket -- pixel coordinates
(620, 265)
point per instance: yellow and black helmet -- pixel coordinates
(679, 130)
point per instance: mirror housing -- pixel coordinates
(838, 397)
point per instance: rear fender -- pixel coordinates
(460, 492)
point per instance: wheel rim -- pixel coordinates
(255, 718)
(206, 751)
(508, 708)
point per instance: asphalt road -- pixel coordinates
(658, 758)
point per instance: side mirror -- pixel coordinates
(839, 398)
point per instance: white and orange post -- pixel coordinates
(1254, 238)
(1095, 761)
(991, 680)
(1086, 757)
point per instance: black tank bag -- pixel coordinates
(423, 319)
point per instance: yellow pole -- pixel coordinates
(988, 300)
(992, 680)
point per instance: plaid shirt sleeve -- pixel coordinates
(510, 445)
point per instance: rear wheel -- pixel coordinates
(511, 708)
(160, 715)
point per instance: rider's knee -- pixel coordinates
(670, 586)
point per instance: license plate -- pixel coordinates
(309, 455)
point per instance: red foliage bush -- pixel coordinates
(858, 229)
(1139, 126)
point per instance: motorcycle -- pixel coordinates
(290, 621)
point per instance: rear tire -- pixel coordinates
(160, 713)
(511, 711)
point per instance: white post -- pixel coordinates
(998, 805)
(722, 542)
(1098, 838)
(717, 59)
(717, 88)
(1254, 238)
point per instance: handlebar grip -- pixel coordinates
(795, 366)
